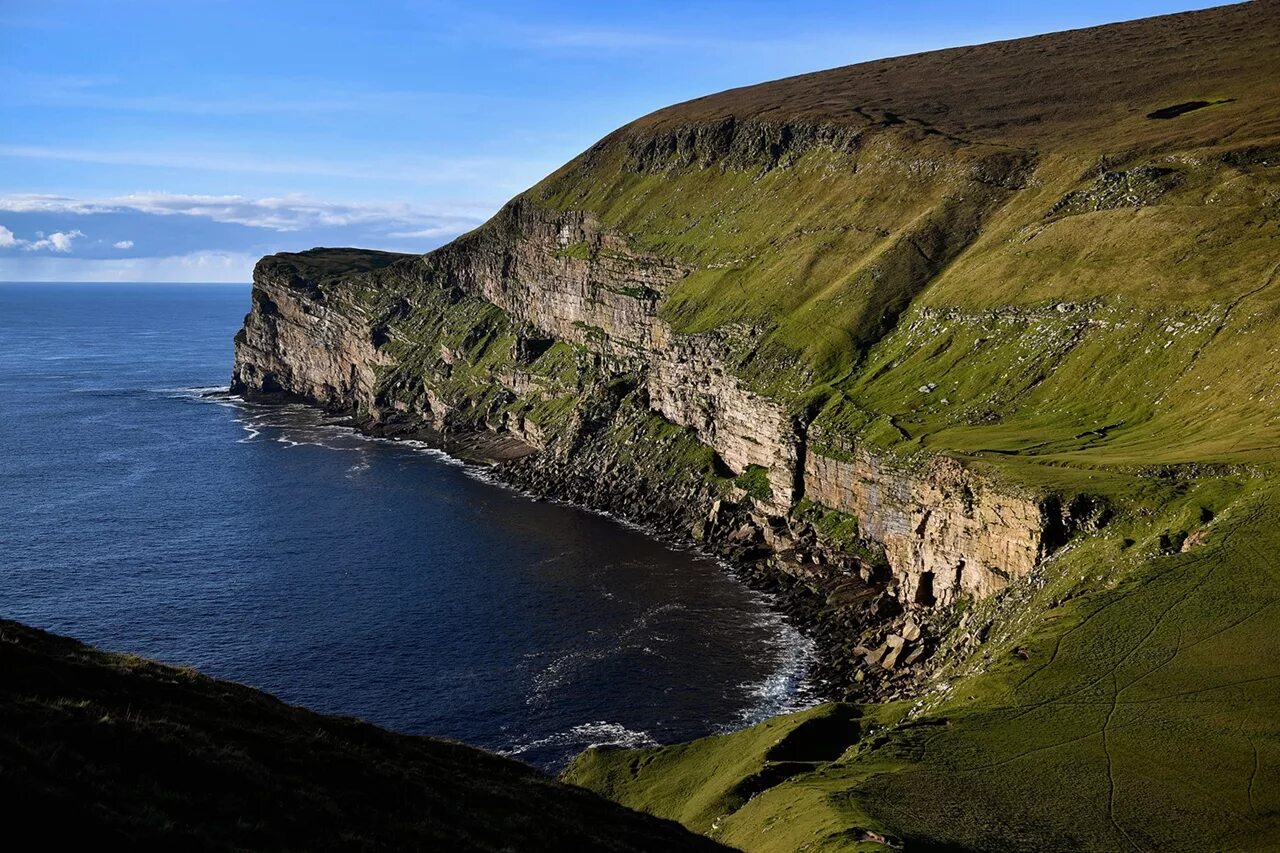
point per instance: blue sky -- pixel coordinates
(181, 140)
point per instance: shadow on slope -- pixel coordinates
(104, 749)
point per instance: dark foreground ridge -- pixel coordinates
(113, 749)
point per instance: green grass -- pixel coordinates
(706, 781)
(1138, 715)
(755, 482)
(577, 251)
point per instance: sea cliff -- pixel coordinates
(511, 335)
(969, 355)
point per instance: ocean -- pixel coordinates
(274, 546)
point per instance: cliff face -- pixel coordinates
(295, 342)
(561, 279)
(946, 532)
(690, 383)
(565, 275)
(889, 337)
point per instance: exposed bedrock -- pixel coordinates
(294, 343)
(945, 530)
(544, 327)
(566, 275)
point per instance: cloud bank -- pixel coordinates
(200, 237)
(286, 213)
(210, 267)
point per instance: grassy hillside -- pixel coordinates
(1130, 703)
(1014, 223)
(1057, 259)
(104, 749)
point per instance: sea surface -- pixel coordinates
(274, 546)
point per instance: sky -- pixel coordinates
(182, 140)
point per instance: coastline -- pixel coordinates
(790, 687)
(495, 458)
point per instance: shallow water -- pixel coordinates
(273, 546)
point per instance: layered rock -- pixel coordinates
(946, 531)
(344, 342)
(691, 385)
(297, 341)
(566, 275)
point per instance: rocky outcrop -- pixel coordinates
(946, 532)
(690, 384)
(571, 279)
(358, 342)
(742, 145)
(566, 275)
(297, 341)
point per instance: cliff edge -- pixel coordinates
(970, 355)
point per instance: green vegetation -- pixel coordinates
(577, 251)
(839, 530)
(702, 782)
(102, 749)
(755, 482)
(668, 457)
(1053, 259)
(1137, 714)
(1074, 297)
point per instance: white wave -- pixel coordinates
(423, 448)
(585, 736)
(788, 687)
(200, 391)
(562, 670)
(285, 417)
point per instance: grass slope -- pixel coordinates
(104, 749)
(1055, 259)
(1137, 712)
(1006, 222)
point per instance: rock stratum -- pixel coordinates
(971, 355)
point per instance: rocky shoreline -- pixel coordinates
(840, 603)
(844, 606)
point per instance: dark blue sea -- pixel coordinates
(274, 546)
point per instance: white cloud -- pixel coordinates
(58, 241)
(286, 213)
(203, 266)
(124, 244)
